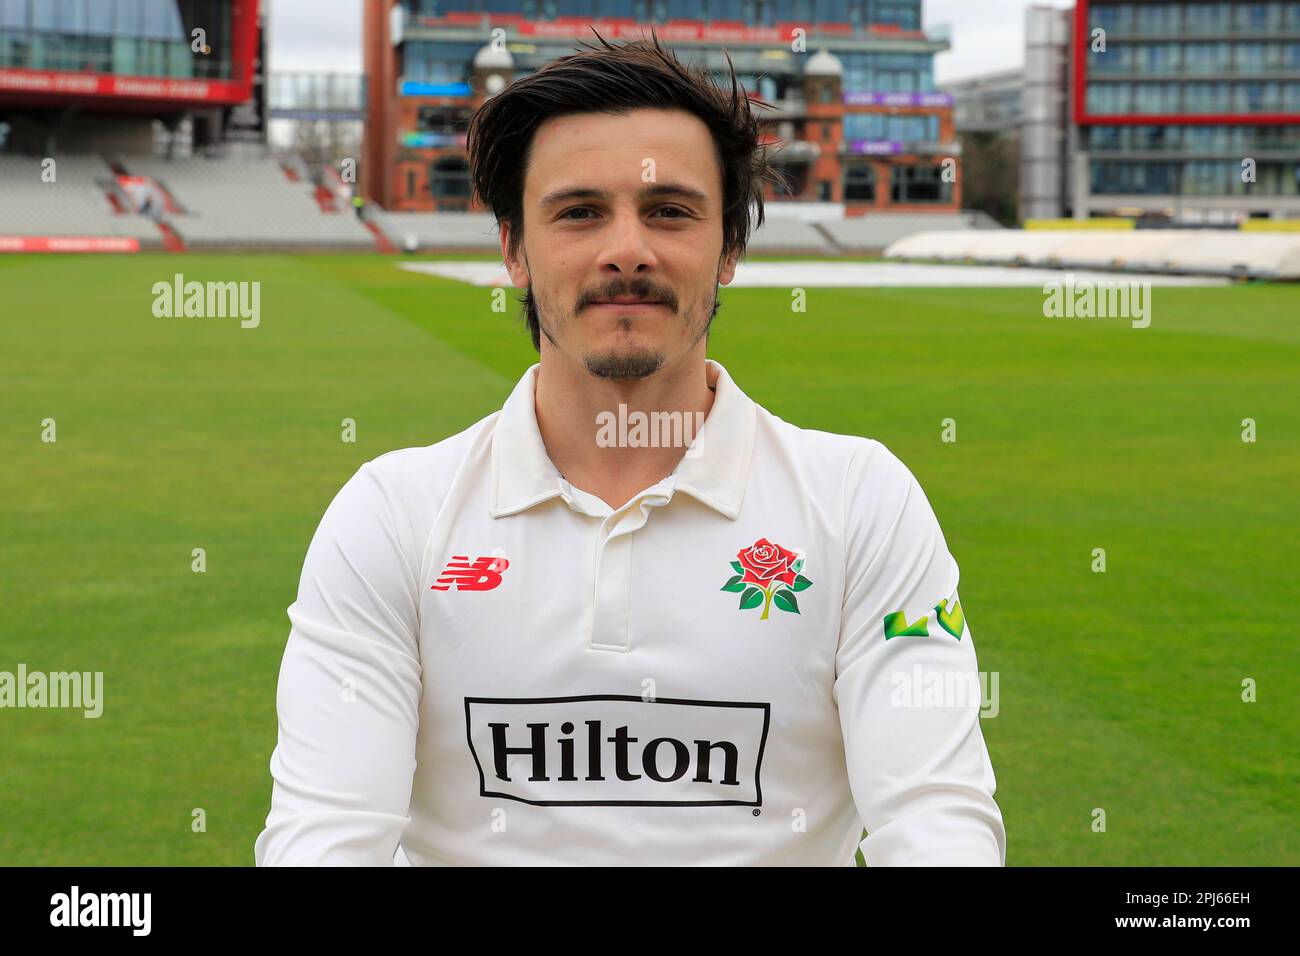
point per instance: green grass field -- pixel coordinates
(1119, 691)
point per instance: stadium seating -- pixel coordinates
(412, 231)
(875, 231)
(781, 234)
(75, 204)
(241, 203)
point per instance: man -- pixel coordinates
(548, 639)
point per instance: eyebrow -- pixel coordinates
(652, 191)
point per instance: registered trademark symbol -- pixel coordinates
(757, 812)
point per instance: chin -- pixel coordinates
(624, 363)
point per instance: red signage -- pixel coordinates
(68, 244)
(48, 82)
(718, 31)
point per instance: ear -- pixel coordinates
(518, 270)
(727, 270)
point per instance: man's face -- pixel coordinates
(622, 207)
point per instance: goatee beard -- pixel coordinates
(624, 366)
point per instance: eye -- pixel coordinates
(677, 209)
(565, 214)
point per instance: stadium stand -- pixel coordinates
(76, 203)
(790, 235)
(876, 231)
(1218, 252)
(237, 203)
(413, 231)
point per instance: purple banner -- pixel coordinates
(897, 99)
(876, 147)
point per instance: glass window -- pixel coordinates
(742, 10)
(100, 17)
(793, 10)
(830, 11)
(180, 60)
(859, 183)
(1206, 58)
(128, 19)
(161, 19)
(69, 15)
(919, 184)
(1105, 138)
(45, 17)
(685, 9)
(1203, 178)
(567, 8)
(428, 62)
(1205, 98)
(1158, 19)
(1257, 17)
(1207, 19)
(125, 55)
(1249, 57)
(1153, 97)
(904, 14)
(13, 14)
(1115, 19)
(1109, 98)
(1257, 97)
(1157, 58)
(1205, 139)
(450, 178)
(1117, 58)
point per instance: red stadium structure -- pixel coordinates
(69, 73)
(138, 124)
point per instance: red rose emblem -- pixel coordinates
(767, 574)
(765, 562)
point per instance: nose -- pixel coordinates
(628, 251)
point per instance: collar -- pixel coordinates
(714, 470)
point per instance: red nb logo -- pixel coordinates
(481, 574)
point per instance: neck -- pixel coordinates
(575, 410)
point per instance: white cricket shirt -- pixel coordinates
(488, 665)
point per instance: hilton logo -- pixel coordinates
(608, 750)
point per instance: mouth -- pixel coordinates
(626, 304)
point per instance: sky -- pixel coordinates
(325, 35)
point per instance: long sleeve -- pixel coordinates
(349, 688)
(907, 683)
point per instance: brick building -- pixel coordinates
(855, 113)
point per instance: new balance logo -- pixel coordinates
(481, 574)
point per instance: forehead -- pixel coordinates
(610, 151)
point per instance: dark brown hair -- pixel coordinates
(616, 79)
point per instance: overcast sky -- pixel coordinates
(325, 35)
